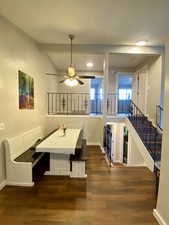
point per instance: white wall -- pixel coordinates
(163, 196)
(149, 86)
(92, 126)
(154, 87)
(135, 88)
(147, 159)
(134, 156)
(52, 83)
(19, 52)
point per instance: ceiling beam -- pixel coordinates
(103, 49)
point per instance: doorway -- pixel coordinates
(96, 96)
(124, 92)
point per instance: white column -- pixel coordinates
(105, 86)
(162, 211)
(162, 86)
(105, 92)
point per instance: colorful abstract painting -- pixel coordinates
(26, 91)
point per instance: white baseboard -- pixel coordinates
(58, 173)
(117, 161)
(20, 184)
(158, 217)
(75, 176)
(93, 143)
(2, 184)
(136, 165)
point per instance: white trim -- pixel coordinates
(117, 161)
(102, 149)
(136, 165)
(2, 184)
(122, 125)
(93, 143)
(20, 184)
(76, 116)
(158, 217)
(73, 176)
(109, 164)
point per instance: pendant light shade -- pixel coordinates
(71, 82)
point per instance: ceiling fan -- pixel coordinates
(71, 78)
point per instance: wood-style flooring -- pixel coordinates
(116, 196)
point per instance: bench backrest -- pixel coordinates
(19, 144)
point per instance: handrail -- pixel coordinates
(139, 110)
(159, 114)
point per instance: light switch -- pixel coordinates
(2, 126)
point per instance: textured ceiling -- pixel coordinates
(92, 21)
(108, 22)
(61, 61)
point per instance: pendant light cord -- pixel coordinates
(71, 52)
(71, 37)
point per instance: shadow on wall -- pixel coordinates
(3, 164)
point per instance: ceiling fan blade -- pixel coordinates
(62, 81)
(87, 77)
(80, 82)
(51, 74)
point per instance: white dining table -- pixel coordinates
(60, 148)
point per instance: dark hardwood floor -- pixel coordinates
(116, 196)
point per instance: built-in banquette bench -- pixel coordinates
(22, 162)
(78, 161)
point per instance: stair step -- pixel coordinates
(156, 156)
(153, 145)
(150, 138)
(149, 135)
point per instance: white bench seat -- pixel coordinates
(19, 173)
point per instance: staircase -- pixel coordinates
(150, 136)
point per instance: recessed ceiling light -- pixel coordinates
(141, 43)
(89, 64)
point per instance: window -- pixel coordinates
(125, 94)
(101, 93)
(92, 94)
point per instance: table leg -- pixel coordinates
(59, 165)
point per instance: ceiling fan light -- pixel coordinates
(71, 71)
(141, 43)
(89, 64)
(71, 82)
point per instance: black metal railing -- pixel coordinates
(159, 116)
(68, 103)
(85, 103)
(74, 103)
(148, 133)
(117, 105)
